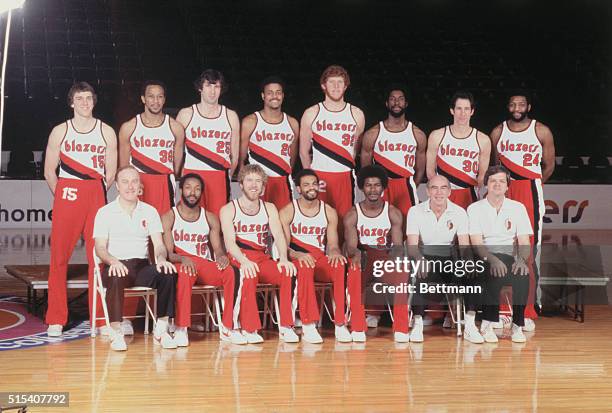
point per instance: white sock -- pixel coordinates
(485, 325)
(418, 320)
(470, 318)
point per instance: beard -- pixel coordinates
(309, 197)
(521, 118)
(397, 114)
(188, 203)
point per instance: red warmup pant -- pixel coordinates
(268, 274)
(75, 205)
(207, 274)
(338, 191)
(464, 197)
(356, 282)
(158, 191)
(278, 191)
(402, 194)
(307, 298)
(216, 191)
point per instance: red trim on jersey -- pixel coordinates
(246, 244)
(311, 249)
(154, 166)
(391, 166)
(270, 156)
(183, 253)
(517, 169)
(79, 167)
(207, 154)
(337, 149)
(460, 175)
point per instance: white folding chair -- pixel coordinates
(145, 292)
(210, 297)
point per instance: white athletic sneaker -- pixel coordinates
(343, 335)
(517, 334)
(401, 337)
(127, 328)
(252, 338)
(372, 320)
(358, 336)
(117, 341)
(105, 331)
(416, 335)
(488, 334)
(310, 334)
(55, 330)
(529, 325)
(472, 335)
(288, 335)
(180, 337)
(165, 340)
(232, 336)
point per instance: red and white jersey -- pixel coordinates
(83, 154)
(333, 140)
(251, 230)
(152, 148)
(269, 146)
(375, 231)
(457, 159)
(308, 233)
(396, 151)
(191, 238)
(521, 152)
(207, 142)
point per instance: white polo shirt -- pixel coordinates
(499, 228)
(422, 221)
(128, 236)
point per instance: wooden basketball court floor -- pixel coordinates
(564, 366)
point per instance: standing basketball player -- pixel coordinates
(85, 148)
(459, 152)
(526, 148)
(269, 137)
(372, 226)
(188, 230)
(311, 227)
(399, 147)
(153, 143)
(246, 223)
(212, 140)
(332, 129)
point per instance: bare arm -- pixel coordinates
(293, 149)
(215, 235)
(167, 223)
(360, 119)
(101, 247)
(234, 141)
(485, 153)
(351, 238)
(367, 145)
(276, 230)
(52, 157)
(226, 215)
(548, 150)
(306, 135)
(421, 154)
(111, 153)
(179, 145)
(285, 215)
(333, 242)
(125, 131)
(495, 135)
(249, 124)
(159, 249)
(397, 222)
(433, 143)
(184, 116)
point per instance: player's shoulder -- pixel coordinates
(481, 136)
(60, 129)
(228, 208)
(497, 130)
(541, 127)
(270, 207)
(395, 212)
(311, 110)
(373, 130)
(128, 124)
(416, 130)
(251, 118)
(231, 112)
(437, 133)
(292, 121)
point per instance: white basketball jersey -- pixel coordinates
(457, 159)
(152, 148)
(207, 142)
(396, 151)
(521, 152)
(333, 140)
(269, 146)
(374, 231)
(191, 238)
(252, 231)
(308, 233)
(83, 155)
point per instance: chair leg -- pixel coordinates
(218, 310)
(146, 324)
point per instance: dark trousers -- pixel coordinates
(421, 300)
(140, 274)
(493, 286)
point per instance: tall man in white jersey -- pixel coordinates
(85, 149)
(311, 229)
(459, 152)
(153, 143)
(332, 130)
(212, 140)
(269, 139)
(526, 148)
(399, 147)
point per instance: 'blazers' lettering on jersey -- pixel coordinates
(277, 136)
(337, 126)
(73, 146)
(395, 147)
(372, 231)
(187, 237)
(252, 228)
(449, 150)
(506, 146)
(143, 142)
(308, 229)
(209, 133)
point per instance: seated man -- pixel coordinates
(246, 223)
(310, 226)
(188, 229)
(372, 226)
(121, 232)
(496, 225)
